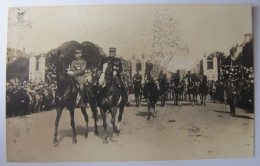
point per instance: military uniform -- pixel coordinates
(116, 65)
(78, 68)
(231, 96)
(204, 80)
(160, 77)
(77, 71)
(189, 77)
(177, 79)
(115, 73)
(137, 78)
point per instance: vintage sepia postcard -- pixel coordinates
(129, 83)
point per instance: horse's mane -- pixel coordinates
(63, 81)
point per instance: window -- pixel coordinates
(210, 64)
(37, 65)
(138, 66)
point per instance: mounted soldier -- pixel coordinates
(116, 69)
(137, 82)
(188, 76)
(70, 91)
(137, 78)
(177, 78)
(78, 75)
(160, 77)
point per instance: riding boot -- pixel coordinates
(90, 92)
(82, 95)
(81, 102)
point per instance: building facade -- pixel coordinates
(37, 68)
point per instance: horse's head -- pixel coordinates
(58, 62)
(95, 75)
(147, 77)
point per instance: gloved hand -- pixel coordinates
(101, 79)
(70, 73)
(114, 73)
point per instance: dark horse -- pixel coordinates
(203, 90)
(164, 87)
(177, 87)
(192, 90)
(66, 96)
(138, 92)
(110, 97)
(151, 93)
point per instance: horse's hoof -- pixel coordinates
(96, 132)
(105, 139)
(55, 142)
(74, 141)
(117, 132)
(86, 135)
(115, 129)
(105, 127)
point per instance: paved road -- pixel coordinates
(176, 133)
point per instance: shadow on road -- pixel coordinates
(142, 114)
(236, 116)
(80, 130)
(226, 112)
(243, 116)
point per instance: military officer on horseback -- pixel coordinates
(160, 77)
(188, 76)
(116, 70)
(137, 77)
(77, 73)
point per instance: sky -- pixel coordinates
(182, 32)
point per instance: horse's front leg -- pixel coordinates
(193, 101)
(161, 100)
(201, 98)
(59, 111)
(149, 107)
(121, 110)
(72, 123)
(205, 97)
(103, 114)
(83, 110)
(94, 112)
(113, 119)
(136, 100)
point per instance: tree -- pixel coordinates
(247, 58)
(91, 53)
(167, 39)
(18, 69)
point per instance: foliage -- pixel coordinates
(91, 53)
(18, 69)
